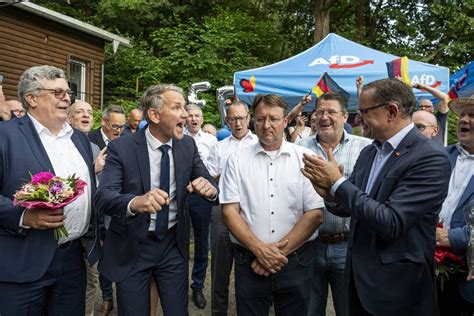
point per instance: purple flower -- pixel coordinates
(41, 177)
(56, 188)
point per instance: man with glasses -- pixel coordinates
(113, 123)
(331, 245)
(40, 275)
(272, 211)
(222, 249)
(393, 196)
(426, 123)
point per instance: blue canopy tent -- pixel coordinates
(343, 60)
(463, 81)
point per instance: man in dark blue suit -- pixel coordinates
(457, 295)
(394, 195)
(40, 275)
(143, 187)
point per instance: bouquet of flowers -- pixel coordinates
(45, 190)
(447, 263)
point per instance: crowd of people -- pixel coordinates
(293, 211)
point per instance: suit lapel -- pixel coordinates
(367, 167)
(396, 155)
(33, 140)
(143, 160)
(83, 151)
(468, 192)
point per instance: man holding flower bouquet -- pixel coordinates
(47, 221)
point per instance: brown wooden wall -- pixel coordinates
(28, 40)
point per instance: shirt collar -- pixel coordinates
(154, 142)
(104, 137)
(66, 129)
(284, 149)
(249, 134)
(463, 153)
(395, 140)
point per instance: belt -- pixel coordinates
(151, 233)
(333, 238)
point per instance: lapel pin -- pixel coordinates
(397, 154)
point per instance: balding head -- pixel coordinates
(16, 108)
(80, 116)
(426, 123)
(134, 119)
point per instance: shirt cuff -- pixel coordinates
(21, 221)
(336, 185)
(130, 213)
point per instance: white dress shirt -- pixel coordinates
(272, 192)
(66, 161)
(221, 151)
(204, 142)
(104, 137)
(460, 177)
(154, 154)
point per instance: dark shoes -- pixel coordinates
(198, 298)
(105, 308)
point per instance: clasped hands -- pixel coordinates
(153, 200)
(322, 173)
(270, 258)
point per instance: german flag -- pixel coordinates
(327, 84)
(399, 68)
(452, 93)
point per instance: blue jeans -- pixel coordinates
(329, 267)
(287, 289)
(200, 212)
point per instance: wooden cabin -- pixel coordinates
(32, 35)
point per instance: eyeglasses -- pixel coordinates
(273, 120)
(18, 112)
(233, 119)
(363, 112)
(60, 93)
(115, 127)
(422, 127)
(332, 113)
(425, 107)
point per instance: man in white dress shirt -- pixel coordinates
(40, 275)
(273, 212)
(199, 208)
(222, 249)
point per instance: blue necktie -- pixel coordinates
(161, 224)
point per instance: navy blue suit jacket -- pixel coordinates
(27, 253)
(126, 175)
(458, 231)
(96, 137)
(392, 237)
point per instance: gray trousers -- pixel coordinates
(222, 258)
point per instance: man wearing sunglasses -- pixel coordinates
(40, 275)
(113, 123)
(394, 196)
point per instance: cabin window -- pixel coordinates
(77, 78)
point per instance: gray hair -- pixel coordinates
(30, 80)
(192, 106)
(112, 109)
(237, 103)
(152, 97)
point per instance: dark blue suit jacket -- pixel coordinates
(96, 137)
(392, 237)
(27, 253)
(126, 175)
(458, 232)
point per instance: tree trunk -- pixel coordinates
(321, 18)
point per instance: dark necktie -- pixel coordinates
(161, 224)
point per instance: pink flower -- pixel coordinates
(41, 177)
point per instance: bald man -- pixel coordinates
(426, 123)
(133, 121)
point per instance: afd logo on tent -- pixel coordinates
(341, 61)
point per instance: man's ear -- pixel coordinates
(31, 100)
(153, 115)
(393, 111)
(435, 131)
